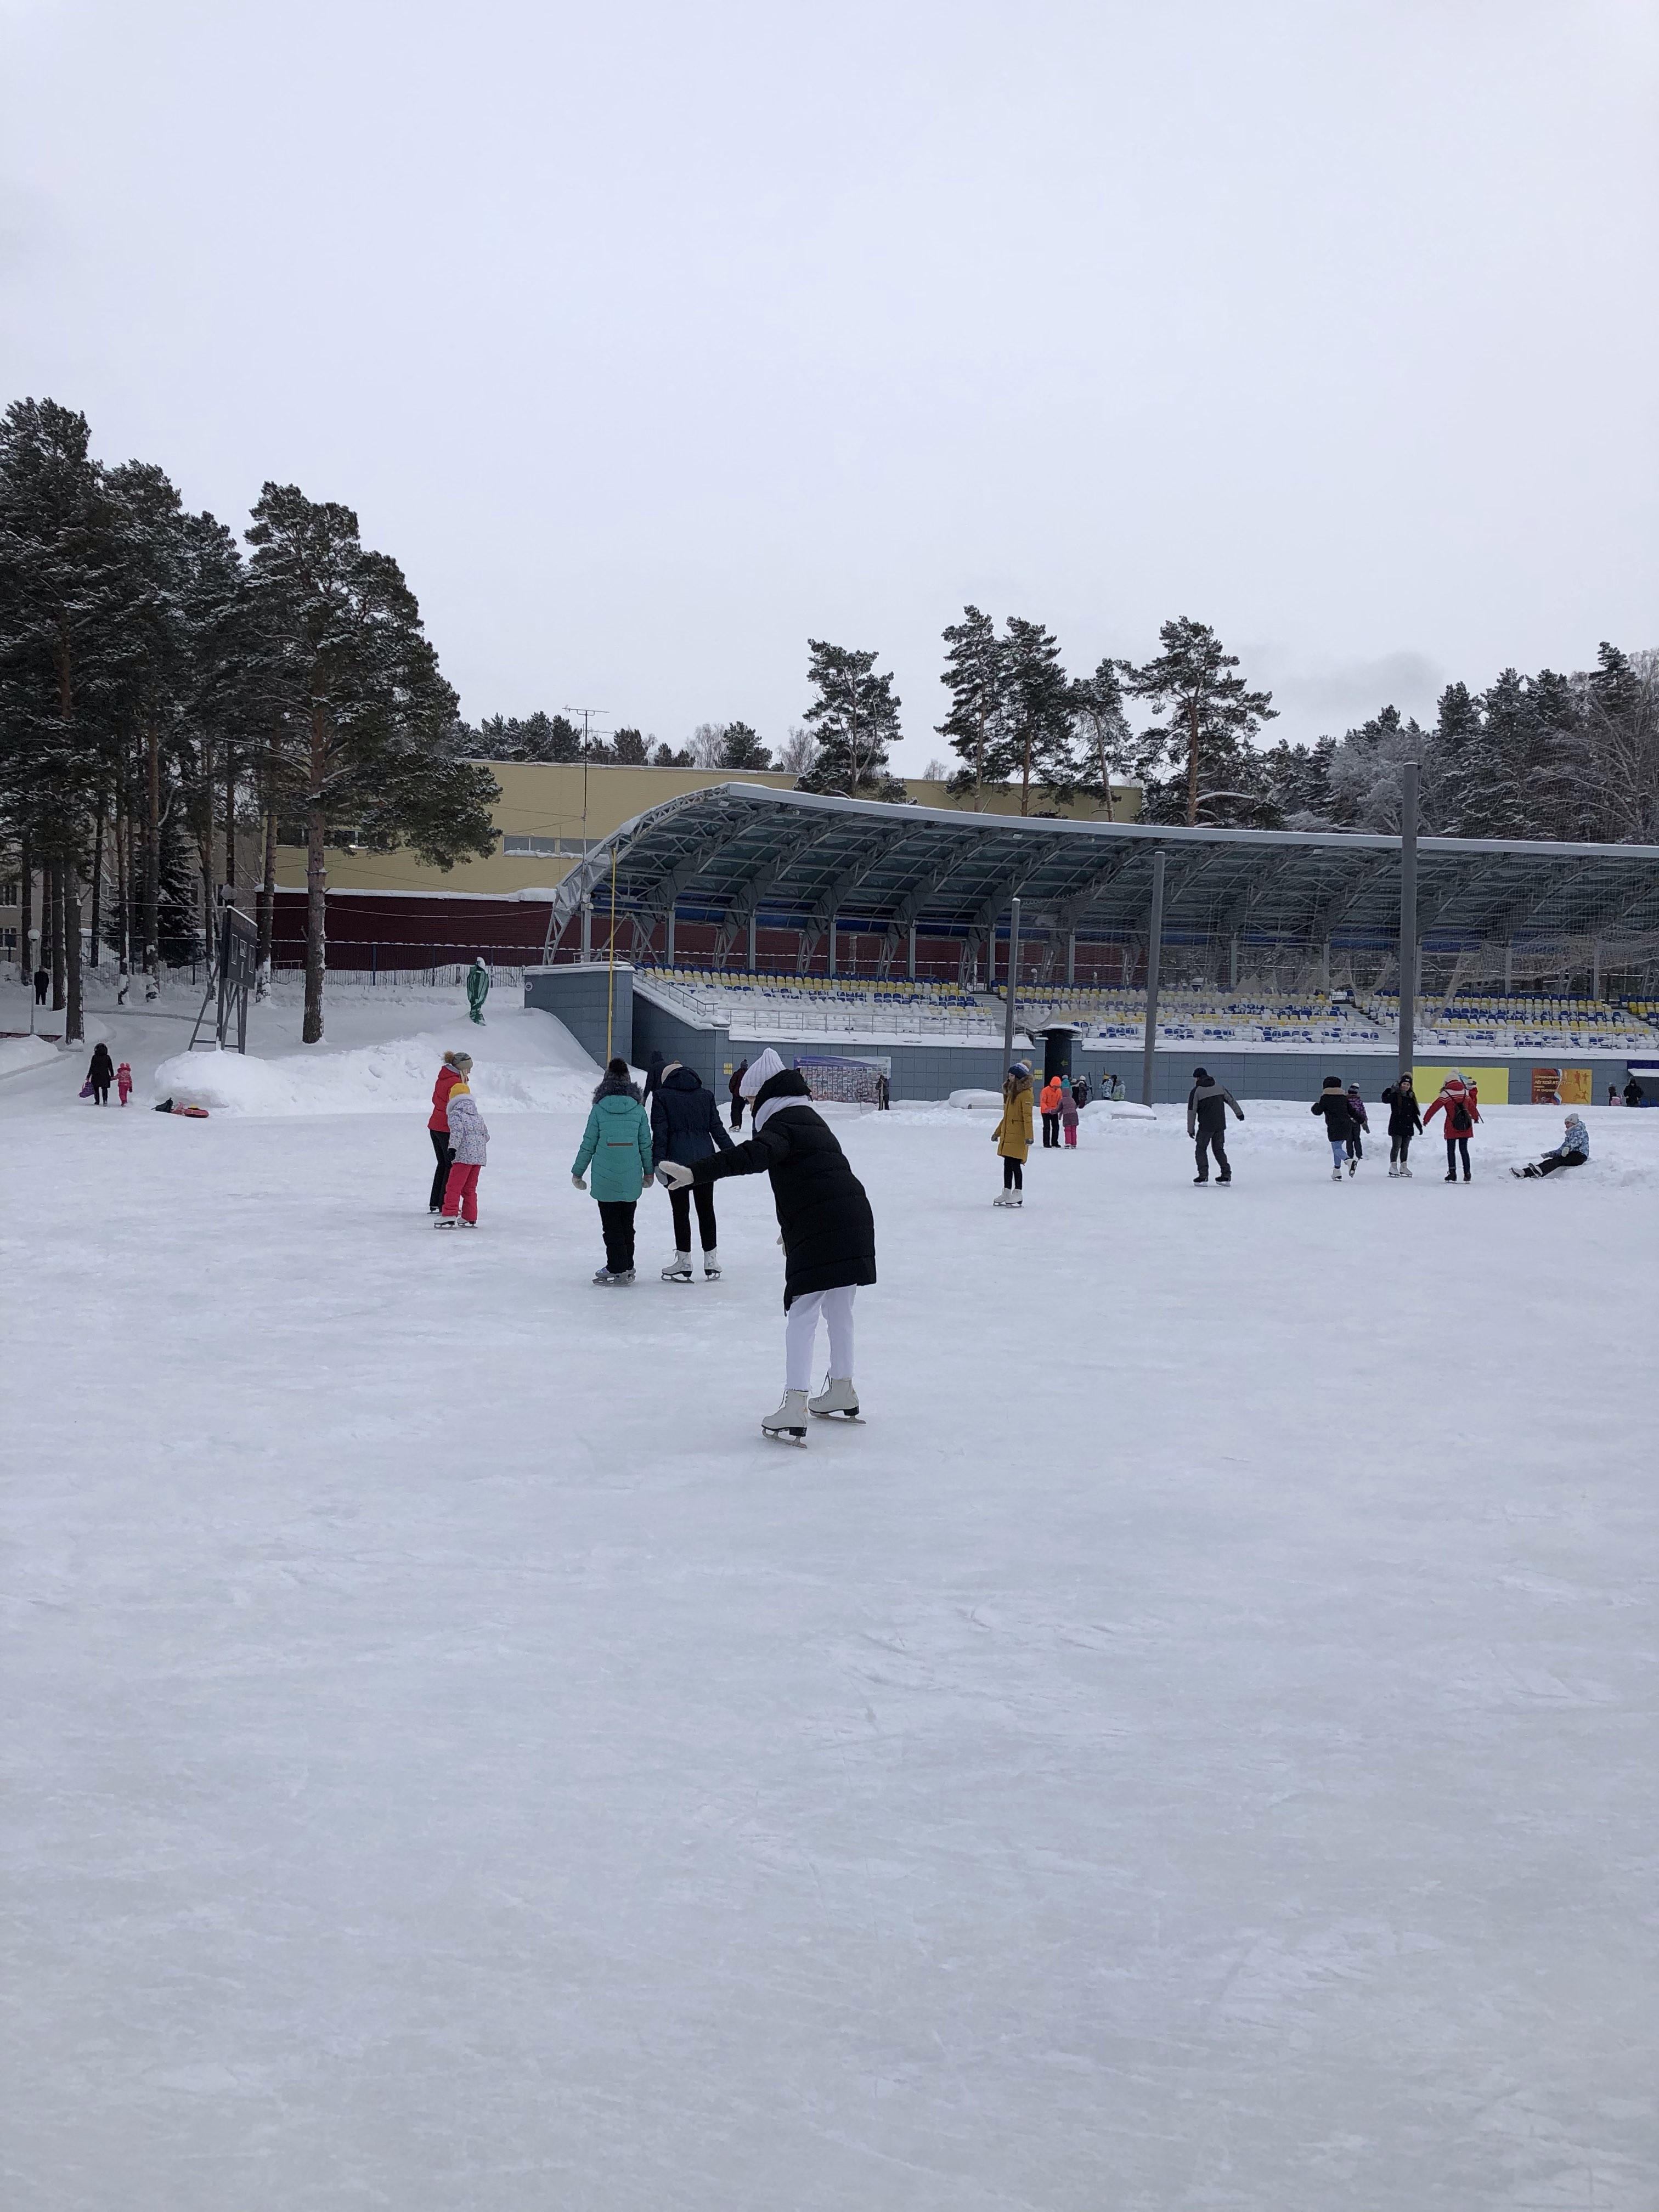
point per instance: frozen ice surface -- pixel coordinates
(1194, 1747)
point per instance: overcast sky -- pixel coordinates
(652, 339)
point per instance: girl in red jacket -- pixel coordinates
(448, 1076)
(1457, 1102)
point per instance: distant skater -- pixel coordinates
(438, 1126)
(469, 1144)
(652, 1077)
(477, 988)
(1458, 1104)
(1207, 1102)
(124, 1082)
(829, 1234)
(734, 1089)
(1405, 1122)
(1572, 1151)
(1068, 1115)
(616, 1143)
(1048, 1105)
(686, 1127)
(101, 1073)
(1362, 1122)
(1012, 1134)
(1332, 1103)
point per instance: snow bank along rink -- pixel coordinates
(1193, 1747)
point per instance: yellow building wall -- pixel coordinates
(566, 804)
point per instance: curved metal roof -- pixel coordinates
(794, 860)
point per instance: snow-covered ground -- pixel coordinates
(1193, 1748)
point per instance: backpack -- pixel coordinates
(1460, 1122)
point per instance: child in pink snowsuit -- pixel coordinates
(1068, 1113)
(123, 1081)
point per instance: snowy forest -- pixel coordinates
(161, 687)
(166, 686)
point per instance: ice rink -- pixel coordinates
(1195, 1747)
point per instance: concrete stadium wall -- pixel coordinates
(578, 995)
(581, 998)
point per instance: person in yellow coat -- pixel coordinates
(1012, 1134)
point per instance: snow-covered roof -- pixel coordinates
(794, 858)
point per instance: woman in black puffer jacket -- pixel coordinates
(686, 1127)
(828, 1232)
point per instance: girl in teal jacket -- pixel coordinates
(617, 1143)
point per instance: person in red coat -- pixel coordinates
(448, 1076)
(1458, 1104)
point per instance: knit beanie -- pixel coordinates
(759, 1073)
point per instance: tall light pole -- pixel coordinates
(1013, 972)
(1408, 919)
(1154, 943)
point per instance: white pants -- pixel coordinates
(800, 1328)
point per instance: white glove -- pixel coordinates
(673, 1176)
(580, 1182)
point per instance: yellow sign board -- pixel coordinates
(1492, 1085)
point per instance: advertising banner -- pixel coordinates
(1561, 1086)
(1492, 1085)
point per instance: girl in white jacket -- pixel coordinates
(469, 1147)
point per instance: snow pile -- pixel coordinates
(20, 1052)
(966, 1100)
(391, 1078)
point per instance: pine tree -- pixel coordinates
(1106, 745)
(1038, 707)
(854, 719)
(367, 693)
(1211, 718)
(60, 648)
(975, 676)
(627, 746)
(741, 748)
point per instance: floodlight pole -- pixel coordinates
(1154, 943)
(1408, 919)
(1013, 971)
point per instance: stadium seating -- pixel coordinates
(821, 1005)
(1521, 1022)
(1197, 1015)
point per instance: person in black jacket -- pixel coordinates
(1206, 1120)
(1405, 1122)
(828, 1233)
(101, 1073)
(652, 1077)
(1332, 1103)
(686, 1127)
(734, 1086)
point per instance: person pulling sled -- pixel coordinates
(829, 1234)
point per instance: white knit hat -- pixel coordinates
(759, 1072)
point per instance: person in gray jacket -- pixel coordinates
(1206, 1120)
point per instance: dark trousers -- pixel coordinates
(736, 1112)
(1213, 1141)
(679, 1203)
(617, 1220)
(1013, 1174)
(1050, 1132)
(1560, 1160)
(1454, 1146)
(441, 1173)
(1356, 1144)
(101, 1092)
(1398, 1148)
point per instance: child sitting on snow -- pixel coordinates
(1572, 1151)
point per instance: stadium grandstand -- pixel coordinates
(858, 933)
